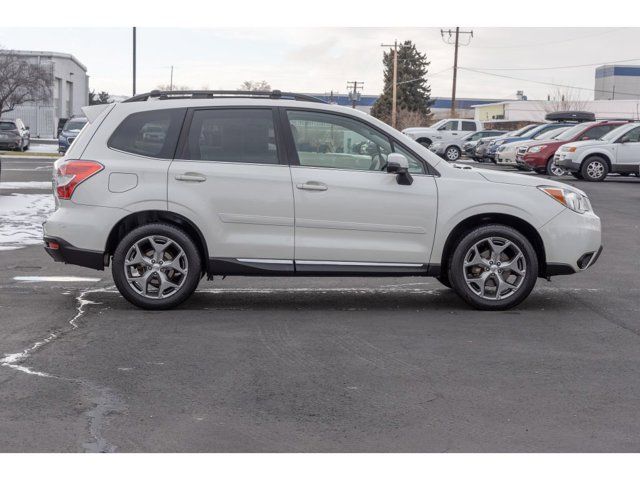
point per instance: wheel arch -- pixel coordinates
(474, 221)
(424, 140)
(602, 155)
(137, 219)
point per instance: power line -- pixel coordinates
(561, 66)
(554, 42)
(635, 94)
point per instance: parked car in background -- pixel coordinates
(267, 183)
(529, 135)
(14, 135)
(452, 149)
(539, 155)
(482, 147)
(471, 141)
(506, 154)
(69, 132)
(616, 152)
(443, 131)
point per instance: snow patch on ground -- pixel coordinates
(21, 217)
(26, 186)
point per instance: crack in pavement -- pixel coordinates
(104, 401)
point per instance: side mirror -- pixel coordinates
(398, 164)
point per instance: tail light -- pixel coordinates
(71, 174)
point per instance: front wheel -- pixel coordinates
(493, 267)
(553, 169)
(156, 266)
(452, 154)
(594, 169)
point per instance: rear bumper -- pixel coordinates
(62, 251)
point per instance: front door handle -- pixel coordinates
(191, 177)
(317, 186)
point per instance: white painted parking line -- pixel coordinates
(37, 279)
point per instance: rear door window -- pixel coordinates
(240, 135)
(468, 126)
(153, 133)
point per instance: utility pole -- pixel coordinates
(394, 93)
(455, 41)
(134, 60)
(354, 95)
(171, 82)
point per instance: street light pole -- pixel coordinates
(394, 89)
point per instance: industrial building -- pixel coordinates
(69, 93)
(617, 82)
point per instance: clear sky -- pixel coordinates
(323, 59)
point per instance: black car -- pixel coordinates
(14, 135)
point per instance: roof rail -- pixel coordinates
(198, 94)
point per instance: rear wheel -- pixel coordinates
(594, 169)
(493, 267)
(156, 266)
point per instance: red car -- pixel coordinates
(538, 156)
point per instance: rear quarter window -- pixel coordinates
(152, 133)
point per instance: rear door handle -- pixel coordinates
(191, 177)
(317, 186)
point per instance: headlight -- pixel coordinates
(569, 149)
(534, 149)
(570, 199)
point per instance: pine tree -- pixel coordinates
(414, 97)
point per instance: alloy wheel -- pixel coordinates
(595, 169)
(494, 268)
(156, 267)
(555, 170)
(452, 154)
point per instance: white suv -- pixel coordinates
(616, 152)
(283, 184)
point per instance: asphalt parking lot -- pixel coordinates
(319, 365)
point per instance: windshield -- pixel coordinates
(438, 123)
(574, 131)
(74, 125)
(521, 131)
(7, 126)
(613, 134)
(552, 133)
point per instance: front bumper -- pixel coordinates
(506, 157)
(566, 161)
(573, 242)
(532, 161)
(62, 251)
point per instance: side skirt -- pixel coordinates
(312, 268)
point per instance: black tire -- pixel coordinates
(425, 142)
(444, 279)
(452, 154)
(192, 277)
(456, 272)
(549, 169)
(594, 169)
(577, 175)
(624, 174)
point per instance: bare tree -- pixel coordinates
(408, 118)
(165, 87)
(21, 81)
(563, 100)
(255, 86)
